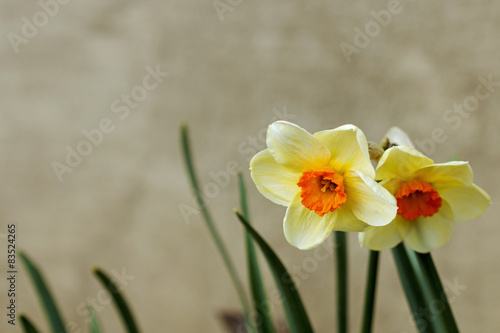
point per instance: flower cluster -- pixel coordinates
(328, 183)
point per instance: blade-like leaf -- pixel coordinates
(49, 306)
(94, 324)
(428, 263)
(188, 160)
(412, 289)
(119, 300)
(423, 265)
(28, 327)
(298, 321)
(264, 320)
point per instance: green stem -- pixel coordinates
(341, 270)
(412, 289)
(371, 283)
(186, 150)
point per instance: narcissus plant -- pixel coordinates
(325, 179)
(430, 198)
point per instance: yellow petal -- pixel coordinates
(400, 162)
(428, 233)
(295, 148)
(273, 180)
(391, 185)
(344, 220)
(304, 228)
(458, 173)
(402, 225)
(380, 238)
(466, 203)
(349, 149)
(369, 201)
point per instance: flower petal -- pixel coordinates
(458, 173)
(345, 220)
(400, 162)
(349, 149)
(295, 148)
(402, 225)
(428, 233)
(304, 228)
(391, 185)
(397, 136)
(380, 238)
(369, 201)
(466, 203)
(273, 180)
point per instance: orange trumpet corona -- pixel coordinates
(322, 190)
(417, 198)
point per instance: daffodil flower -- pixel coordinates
(431, 197)
(326, 179)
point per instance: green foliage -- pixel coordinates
(44, 295)
(119, 301)
(263, 321)
(298, 321)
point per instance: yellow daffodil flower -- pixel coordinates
(431, 197)
(326, 179)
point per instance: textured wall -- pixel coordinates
(228, 79)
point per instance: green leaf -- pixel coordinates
(188, 160)
(260, 302)
(298, 321)
(371, 283)
(49, 306)
(412, 289)
(28, 327)
(341, 272)
(423, 264)
(94, 324)
(119, 300)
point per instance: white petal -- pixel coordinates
(369, 201)
(274, 181)
(400, 162)
(428, 233)
(304, 228)
(458, 173)
(295, 148)
(380, 238)
(397, 136)
(466, 203)
(344, 220)
(349, 149)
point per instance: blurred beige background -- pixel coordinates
(231, 73)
